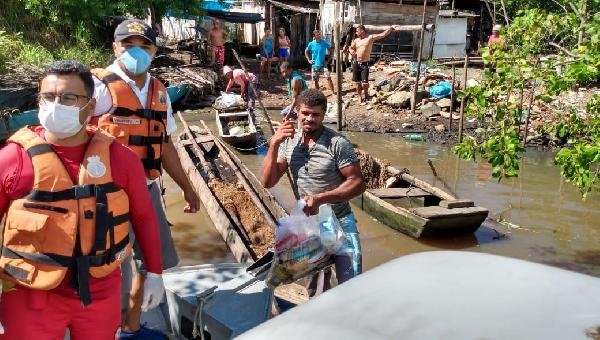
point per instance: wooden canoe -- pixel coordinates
(214, 176)
(213, 162)
(413, 206)
(236, 127)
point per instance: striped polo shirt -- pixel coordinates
(317, 169)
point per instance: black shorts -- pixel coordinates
(360, 72)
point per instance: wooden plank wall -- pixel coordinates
(383, 14)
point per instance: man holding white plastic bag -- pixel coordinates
(325, 170)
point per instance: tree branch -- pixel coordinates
(567, 52)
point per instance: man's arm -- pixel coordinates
(353, 48)
(296, 90)
(383, 34)
(273, 166)
(229, 85)
(172, 166)
(307, 55)
(353, 185)
(144, 225)
(210, 37)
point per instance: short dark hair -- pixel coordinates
(65, 67)
(312, 97)
(285, 66)
(362, 27)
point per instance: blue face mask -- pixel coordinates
(136, 60)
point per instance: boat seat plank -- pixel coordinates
(458, 203)
(399, 192)
(434, 212)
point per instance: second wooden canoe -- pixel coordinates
(413, 206)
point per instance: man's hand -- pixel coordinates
(310, 61)
(285, 131)
(312, 205)
(193, 202)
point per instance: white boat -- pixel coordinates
(236, 127)
(448, 295)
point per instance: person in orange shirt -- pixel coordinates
(495, 38)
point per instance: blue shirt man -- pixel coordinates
(315, 53)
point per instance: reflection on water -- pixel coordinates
(549, 221)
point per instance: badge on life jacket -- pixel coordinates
(95, 167)
(126, 121)
(162, 97)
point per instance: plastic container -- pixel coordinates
(414, 137)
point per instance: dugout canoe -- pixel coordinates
(413, 206)
(219, 181)
(245, 132)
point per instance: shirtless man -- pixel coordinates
(216, 40)
(360, 49)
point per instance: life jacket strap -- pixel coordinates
(160, 116)
(75, 192)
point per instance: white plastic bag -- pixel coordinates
(303, 244)
(228, 101)
(332, 235)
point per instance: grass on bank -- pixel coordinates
(15, 50)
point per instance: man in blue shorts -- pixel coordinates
(315, 53)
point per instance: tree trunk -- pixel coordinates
(585, 7)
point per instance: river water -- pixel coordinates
(547, 220)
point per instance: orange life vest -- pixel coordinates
(59, 225)
(142, 130)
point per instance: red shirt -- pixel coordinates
(16, 181)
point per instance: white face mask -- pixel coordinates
(61, 120)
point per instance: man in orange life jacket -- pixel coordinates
(67, 191)
(135, 108)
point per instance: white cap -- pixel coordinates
(226, 69)
(496, 28)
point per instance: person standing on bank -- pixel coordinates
(360, 49)
(295, 85)
(267, 46)
(135, 108)
(216, 41)
(70, 192)
(316, 54)
(325, 169)
(284, 46)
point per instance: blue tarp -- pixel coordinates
(440, 90)
(221, 10)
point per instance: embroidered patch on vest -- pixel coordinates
(162, 97)
(126, 121)
(95, 167)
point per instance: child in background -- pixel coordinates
(266, 52)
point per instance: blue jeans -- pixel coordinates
(348, 260)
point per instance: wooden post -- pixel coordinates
(452, 93)
(419, 55)
(268, 119)
(537, 61)
(462, 101)
(338, 60)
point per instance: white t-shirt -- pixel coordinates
(104, 100)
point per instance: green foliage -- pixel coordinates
(518, 68)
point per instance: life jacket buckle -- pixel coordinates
(84, 191)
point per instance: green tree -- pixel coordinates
(519, 68)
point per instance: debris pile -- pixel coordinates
(202, 82)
